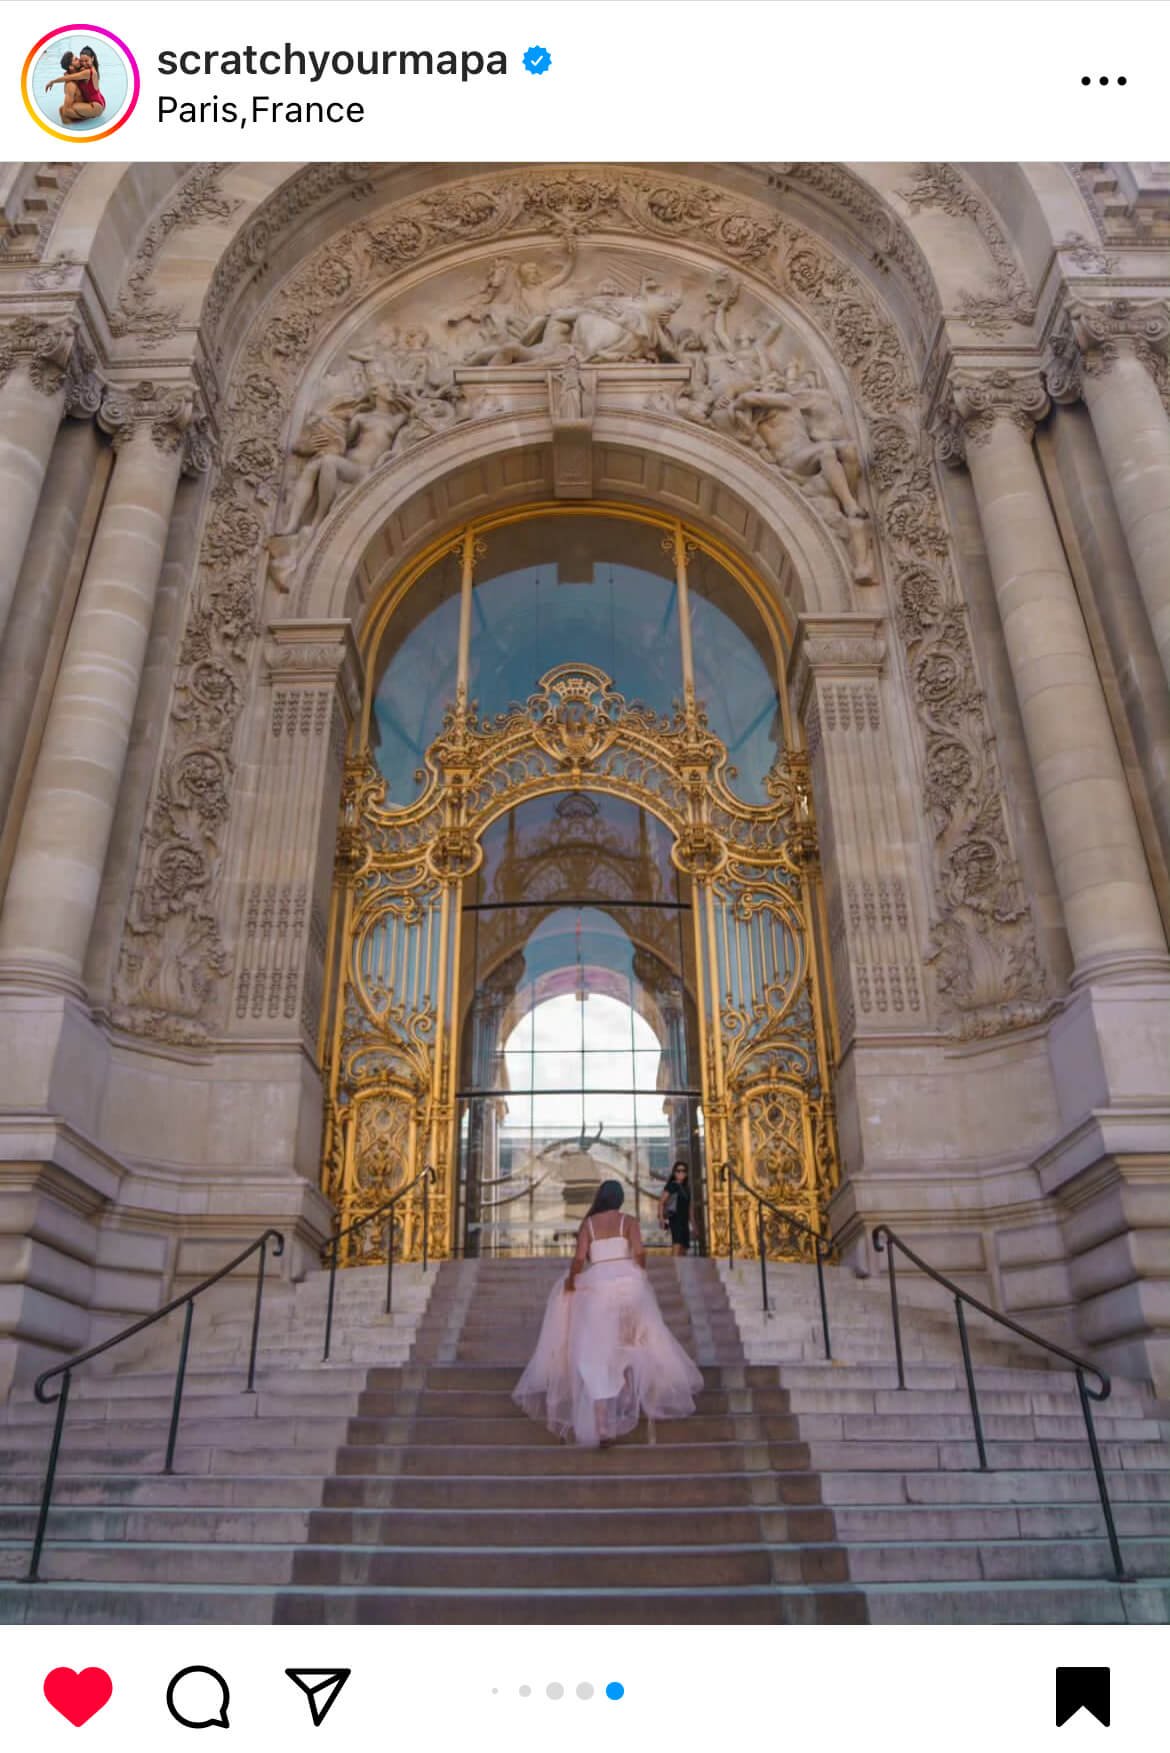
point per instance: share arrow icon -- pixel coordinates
(321, 1687)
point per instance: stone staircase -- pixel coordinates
(929, 1536)
(398, 1483)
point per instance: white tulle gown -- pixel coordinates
(605, 1357)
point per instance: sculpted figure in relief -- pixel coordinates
(513, 297)
(402, 396)
(802, 431)
(609, 326)
(745, 383)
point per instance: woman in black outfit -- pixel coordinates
(674, 1208)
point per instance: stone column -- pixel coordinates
(60, 854)
(1120, 345)
(33, 358)
(1101, 873)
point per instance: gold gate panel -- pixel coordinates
(391, 1052)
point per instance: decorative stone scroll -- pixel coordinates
(43, 347)
(985, 959)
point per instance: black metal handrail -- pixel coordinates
(65, 1371)
(330, 1253)
(822, 1245)
(885, 1240)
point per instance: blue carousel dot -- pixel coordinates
(615, 1689)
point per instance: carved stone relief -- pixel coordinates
(1094, 334)
(988, 974)
(1008, 301)
(1085, 255)
(42, 347)
(198, 200)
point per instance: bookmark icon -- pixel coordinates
(321, 1687)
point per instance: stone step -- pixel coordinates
(349, 1567)
(470, 1405)
(911, 1402)
(456, 1525)
(870, 1527)
(164, 1490)
(156, 1525)
(676, 1457)
(817, 1373)
(1014, 1560)
(1022, 1603)
(1065, 1485)
(139, 1462)
(962, 1521)
(723, 1562)
(868, 1427)
(121, 1408)
(920, 1455)
(144, 1604)
(241, 1432)
(308, 1379)
(519, 1431)
(585, 1491)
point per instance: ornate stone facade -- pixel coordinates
(279, 433)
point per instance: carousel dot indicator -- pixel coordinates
(554, 1689)
(585, 1690)
(615, 1689)
(526, 1692)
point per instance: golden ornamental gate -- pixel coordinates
(391, 1043)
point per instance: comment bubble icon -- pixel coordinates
(198, 1698)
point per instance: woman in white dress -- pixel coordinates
(605, 1356)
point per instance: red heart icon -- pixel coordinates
(78, 1696)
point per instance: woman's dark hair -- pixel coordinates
(92, 53)
(675, 1167)
(610, 1196)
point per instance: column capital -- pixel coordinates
(41, 345)
(977, 400)
(1105, 330)
(309, 654)
(171, 413)
(834, 645)
(1096, 333)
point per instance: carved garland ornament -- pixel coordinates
(1010, 300)
(986, 962)
(198, 200)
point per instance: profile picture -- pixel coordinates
(80, 83)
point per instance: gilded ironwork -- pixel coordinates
(754, 874)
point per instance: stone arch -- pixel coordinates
(981, 935)
(645, 459)
(266, 215)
